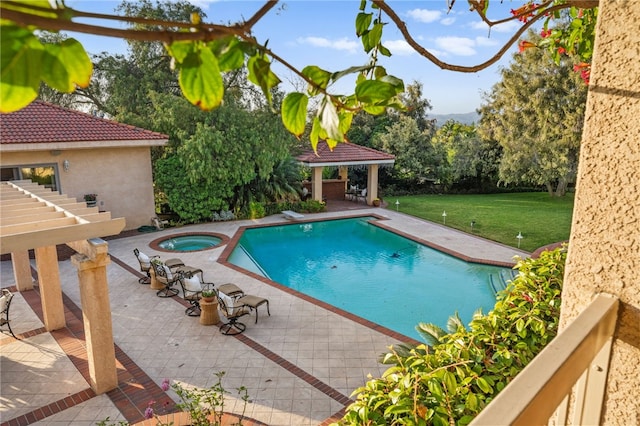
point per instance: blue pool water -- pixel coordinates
(189, 242)
(369, 271)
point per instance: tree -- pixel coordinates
(536, 113)
(204, 172)
(416, 158)
(202, 53)
(470, 159)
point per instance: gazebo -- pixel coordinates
(343, 156)
(35, 217)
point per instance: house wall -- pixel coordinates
(121, 177)
(604, 248)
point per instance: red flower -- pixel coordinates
(524, 13)
(524, 44)
(584, 69)
(545, 33)
(562, 50)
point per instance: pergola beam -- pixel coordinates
(39, 219)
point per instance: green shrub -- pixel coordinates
(312, 206)
(256, 210)
(452, 381)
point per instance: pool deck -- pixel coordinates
(299, 365)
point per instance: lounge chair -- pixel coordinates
(192, 283)
(240, 298)
(145, 265)
(167, 277)
(232, 310)
(5, 303)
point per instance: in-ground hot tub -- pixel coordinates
(192, 241)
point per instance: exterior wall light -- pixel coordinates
(65, 165)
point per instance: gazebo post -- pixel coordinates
(50, 289)
(372, 183)
(22, 270)
(316, 183)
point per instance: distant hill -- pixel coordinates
(466, 118)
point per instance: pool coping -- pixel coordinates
(155, 244)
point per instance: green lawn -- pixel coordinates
(540, 218)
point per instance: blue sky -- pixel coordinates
(313, 32)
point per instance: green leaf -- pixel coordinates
(314, 136)
(450, 382)
(32, 7)
(201, 81)
(363, 20)
(472, 402)
(179, 50)
(20, 65)
(66, 65)
(260, 74)
(384, 51)
(329, 119)
(294, 112)
(231, 57)
(316, 74)
(372, 91)
(483, 385)
(371, 38)
(351, 70)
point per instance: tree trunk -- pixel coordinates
(549, 188)
(561, 189)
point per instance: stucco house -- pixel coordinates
(77, 153)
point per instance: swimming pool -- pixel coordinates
(369, 271)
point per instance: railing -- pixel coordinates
(579, 356)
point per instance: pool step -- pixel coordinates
(501, 280)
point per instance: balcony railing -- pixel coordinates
(578, 356)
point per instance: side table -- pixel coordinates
(209, 312)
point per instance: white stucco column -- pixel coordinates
(316, 183)
(22, 270)
(372, 183)
(96, 314)
(50, 290)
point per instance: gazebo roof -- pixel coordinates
(344, 154)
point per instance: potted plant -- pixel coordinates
(90, 199)
(208, 295)
(376, 202)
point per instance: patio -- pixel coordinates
(299, 365)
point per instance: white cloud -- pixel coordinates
(460, 46)
(448, 20)
(424, 15)
(507, 27)
(343, 44)
(486, 41)
(398, 47)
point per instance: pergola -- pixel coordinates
(343, 156)
(35, 217)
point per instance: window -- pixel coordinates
(43, 174)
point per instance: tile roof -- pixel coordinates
(343, 154)
(44, 122)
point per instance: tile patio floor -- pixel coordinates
(299, 365)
